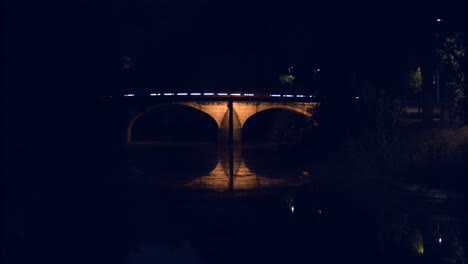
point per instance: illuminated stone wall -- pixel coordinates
(219, 111)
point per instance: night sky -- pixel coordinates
(220, 45)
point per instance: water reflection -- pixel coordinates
(231, 173)
(217, 168)
(371, 222)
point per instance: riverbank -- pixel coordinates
(426, 158)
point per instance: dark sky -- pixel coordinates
(198, 44)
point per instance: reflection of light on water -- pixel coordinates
(290, 202)
(418, 245)
(440, 240)
(244, 179)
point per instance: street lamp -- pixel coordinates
(315, 72)
(436, 74)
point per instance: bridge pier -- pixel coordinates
(230, 129)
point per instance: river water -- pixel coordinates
(263, 205)
(208, 204)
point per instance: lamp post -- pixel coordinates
(436, 75)
(315, 72)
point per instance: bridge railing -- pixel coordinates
(222, 95)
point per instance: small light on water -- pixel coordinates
(319, 211)
(440, 240)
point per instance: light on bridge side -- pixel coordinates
(248, 94)
(222, 94)
(236, 94)
(288, 95)
(168, 94)
(155, 94)
(129, 94)
(208, 93)
(275, 95)
(195, 93)
(182, 93)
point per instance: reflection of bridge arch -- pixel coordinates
(218, 110)
(232, 173)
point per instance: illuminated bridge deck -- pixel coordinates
(195, 96)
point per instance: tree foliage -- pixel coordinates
(451, 54)
(287, 79)
(415, 81)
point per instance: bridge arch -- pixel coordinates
(275, 125)
(192, 105)
(245, 110)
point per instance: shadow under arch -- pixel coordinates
(170, 122)
(275, 125)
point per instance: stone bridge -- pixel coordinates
(230, 123)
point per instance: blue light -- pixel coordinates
(168, 94)
(129, 94)
(249, 94)
(208, 94)
(275, 95)
(155, 94)
(181, 93)
(195, 93)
